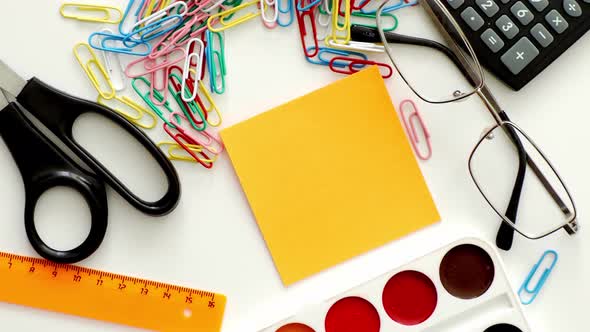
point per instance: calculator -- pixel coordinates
(517, 39)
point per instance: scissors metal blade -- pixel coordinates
(10, 81)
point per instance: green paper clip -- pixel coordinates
(158, 96)
(373, 17)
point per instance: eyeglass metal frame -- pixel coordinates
(473, 71)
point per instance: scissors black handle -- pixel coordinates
(44, 166)
(58, 111)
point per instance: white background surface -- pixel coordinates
(211, 241)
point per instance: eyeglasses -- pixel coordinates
(504, 153)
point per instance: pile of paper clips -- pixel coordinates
(180, 46)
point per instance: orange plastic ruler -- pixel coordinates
(108, 297)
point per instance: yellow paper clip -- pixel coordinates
(212, 109)
(89, 13)
(92, 75)
(173, 147)
(223, 16)
(140, 112)
(337, 28)
(154, 7)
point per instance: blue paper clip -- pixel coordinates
(289, 10)
(312, 3)
(525, 289)
(155, 29)
(327, 51)
(397, 6)
(127, 11)
(100, 40)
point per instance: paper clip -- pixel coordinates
(126, 21)
(401, 4)
(177, 84)
(525, 290)
(77, 9)
(189, 29)
(145, 96)
(289, 9)
(213, 6)
(227, 14)
(203, 138)
(189, 108)
(189, 145)
(303, 33)
(216, 62)
(154, 29)
(411, 129)
(190, 54)
(92, 75)
(173, 155)
(146, 65)
(140, 112)
(116, 73)
(271, 22)
(325, 52)
(310, 5)
(337, 28)
(353, 64)
(212, 109)
(373, 18)
(181, 7)
(118, 44)
(355, 46)
(360, 6)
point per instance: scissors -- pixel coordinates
(43, 165)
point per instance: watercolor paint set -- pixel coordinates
(460, 288)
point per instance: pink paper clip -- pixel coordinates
(160, 86)
(411, 128)
(146, 65)
(203, 138)
(184, 141)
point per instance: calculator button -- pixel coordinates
(489, 7)
(522, 13)
(472, 18)
(455, 3)
(492, 40)
(507, 1)
(508, 28)
(556, 21)
(572, 8)
(542, 35)
(520, 55)
(539, 5)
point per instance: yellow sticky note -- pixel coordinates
(330, 175)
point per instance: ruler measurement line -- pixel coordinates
(119, 299)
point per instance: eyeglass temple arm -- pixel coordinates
(530, 162)
(505, 236)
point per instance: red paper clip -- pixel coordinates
(310, 13)
(411, 129)
(177, 86)
(184, 141)
(356, 64)
(362, 5)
